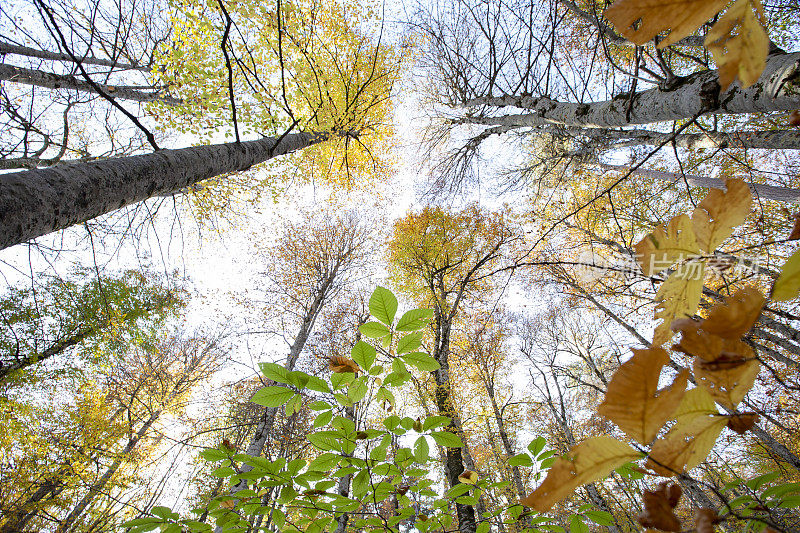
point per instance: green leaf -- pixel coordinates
(319, 405)
(458, 490)
(576, 525)
(522, 459)
(421, 450)
(409, 343)
(358, 389)
(787, 285)
(325, 440)
(322, 419)
(391, 422)
(363, 354)
(434, 421)
(789, 501)
(445, 438)
(483, 527)
(298, 379)
(383, 305)
(272, 396)
(414, 319)
(374, 330)
(760, 481)
(422, 361)
(212, 454)
(601, 518)
(274, 372)
(293, 405)
(537, 445)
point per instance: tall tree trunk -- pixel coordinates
(443, 398)
(765, 140)
(36, 202)
(49, 80)
(769, 192)
(698, 94)
(14, 49)
(507, 446)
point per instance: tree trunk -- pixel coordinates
(699, 94)
(36, 202)
(454, 463)
(764, 140)
(49, 80)
(13, 49)
(769, 192)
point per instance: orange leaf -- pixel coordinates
(737, 315)
(339, 365)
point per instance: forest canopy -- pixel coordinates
(350, 266)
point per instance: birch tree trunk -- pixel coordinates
(49, 80)
(764, 140)
(36, 202)
(699, 94)
(769, 192)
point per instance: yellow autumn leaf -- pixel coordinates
(667, 245)
(695, 402)
(633, 401)
(652, 17)
(739, 43)
(678, 297)
(727, 383)
(787, 286)
(589, 461)
(686, 445)
(469, 477)
(715, 217)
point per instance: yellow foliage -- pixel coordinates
(686, 445)
(678, 296)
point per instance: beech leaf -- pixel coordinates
(686, 445)
(739, 43)
(341, 365)
(633, 401)
(678, 297)
(735, 317)
(681, 17)
(666, 245)
(727, 384)
(787, 286)
(658, 508)
(720, 211)
(589, 461)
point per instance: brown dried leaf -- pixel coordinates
(743, 422)
(633, 401)
(704, 520)
(658, 508)
(795, 229)
(339, 365)
(681, 17)
(720, 211)
(736, 316)
(727, 383)
(589, 461)
(794, 118)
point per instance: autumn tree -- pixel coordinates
(445, 260)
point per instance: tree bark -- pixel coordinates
(49, 80)
(14, 49)
(36, 202)
(778, 89)
(769, 192)
(763, 140)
